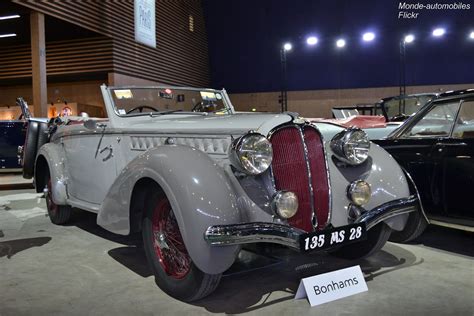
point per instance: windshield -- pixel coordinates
(145, 100)
(404, 106)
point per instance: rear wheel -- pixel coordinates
(58, 214)
(416, 225)
(174, 271)
(376, 238)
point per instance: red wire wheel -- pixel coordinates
(52, 207)
(168, 243)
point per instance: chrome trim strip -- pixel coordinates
(314, 218)
(328, 176)
(388, 210)
(222, 235)
(237, 234)
(417, 194)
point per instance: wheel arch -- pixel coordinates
(200, 196)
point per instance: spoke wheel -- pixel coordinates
(52, 207)
(168, 243)
(175, 272)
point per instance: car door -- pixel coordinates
(417, 150)
(457, 155)
(91, 163)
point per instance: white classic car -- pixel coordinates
(200, 180)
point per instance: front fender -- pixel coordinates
(55, 160)
(198, 190)
(387, 181)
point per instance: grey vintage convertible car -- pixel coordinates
(199, 180)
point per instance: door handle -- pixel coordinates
(450, 144)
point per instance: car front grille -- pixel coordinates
(299, 166)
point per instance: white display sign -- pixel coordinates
(145, 22)
(332, 286)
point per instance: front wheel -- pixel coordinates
(174, 271)
(376, 238)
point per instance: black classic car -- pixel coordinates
(436, 147)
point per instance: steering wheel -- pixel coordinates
(141, 107)
(399, 117)
(202, 107)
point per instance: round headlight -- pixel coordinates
(285, 204)
(351, 146)
(254, 153)
(359, 192)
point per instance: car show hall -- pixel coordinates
(176, 157)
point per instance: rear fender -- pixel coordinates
(54, 157)
(199, 192)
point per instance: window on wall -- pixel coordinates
(191, 23)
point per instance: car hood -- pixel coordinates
(234, 124)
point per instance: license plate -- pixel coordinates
(334, 237)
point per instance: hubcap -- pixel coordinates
(168, 243)
(52, 207)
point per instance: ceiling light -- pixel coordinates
(7, 17)
(409, 38)
(340, 43)
(312, 40)
(438, 32)
(368, 37)
(287, 46)
(471, 35)
(7, 35)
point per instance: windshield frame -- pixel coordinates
(225, 99)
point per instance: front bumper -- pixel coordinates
(236, 234)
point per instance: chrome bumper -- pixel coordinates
(236, 234)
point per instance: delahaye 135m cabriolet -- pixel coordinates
(199, 180)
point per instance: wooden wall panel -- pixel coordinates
(63, 57)
(181, 55)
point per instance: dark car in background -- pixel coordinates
(436, 147)
(12, 135)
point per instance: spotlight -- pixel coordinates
(312, 40)
(471, 35)
(7, 17)
(340, 43)
(438, 32)
(7, 35)
(368, 37)
(287, 46)
(409, 38)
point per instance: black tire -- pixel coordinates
(416, 225)
(58, 214)
(43, 136)
(183, 281)
(376, 238)
(29, 149)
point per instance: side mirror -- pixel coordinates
(90, 124)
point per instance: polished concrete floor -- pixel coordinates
(81, 269)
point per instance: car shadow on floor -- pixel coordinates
(447, 239)
(251, 291)
(10, 248)
(131, 255)
(249, 284)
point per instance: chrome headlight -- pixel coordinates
(351, 146)
(359, 192)
(285, 204)
(252, 153)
